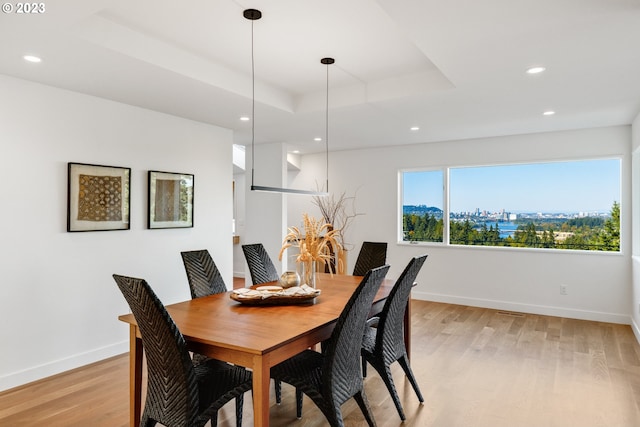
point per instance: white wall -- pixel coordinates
(239, 263)
(58, 301)
(524, 280)
(635, 185)
(266, 212)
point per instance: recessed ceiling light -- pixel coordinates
(31, 58)
(296, 151)
(548, 113)
(535, 70)
(414, 128)
(245, 118)
(317, 139)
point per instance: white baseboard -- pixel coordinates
(636, 329)
(35, 373)
(527, 308)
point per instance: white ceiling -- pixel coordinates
(455, 68)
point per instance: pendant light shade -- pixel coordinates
(253, 15)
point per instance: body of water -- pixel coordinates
(506, 228)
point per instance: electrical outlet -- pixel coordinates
(563, 290)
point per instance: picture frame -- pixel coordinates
(170, 200)
(98, 197)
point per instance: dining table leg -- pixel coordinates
(261, 379)
(135, 376)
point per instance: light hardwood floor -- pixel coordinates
(238, 282)
(476, 367)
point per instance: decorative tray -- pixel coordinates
(275, 295)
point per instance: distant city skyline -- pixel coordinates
(576, 186)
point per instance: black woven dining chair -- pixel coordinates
(383, 340)
(179, 394)
(260, 265)
(371, 255)
(205, 279)
(332, 377)
(202, 274)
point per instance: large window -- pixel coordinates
(561, 205)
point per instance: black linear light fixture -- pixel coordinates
(253, 15)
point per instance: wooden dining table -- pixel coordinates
(256, 337)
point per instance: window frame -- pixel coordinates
(447, 212)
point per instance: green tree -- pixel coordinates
(527, 236)
(587, 233)
(422, 228)
(576, 241)
(609, 237)
(548, 239)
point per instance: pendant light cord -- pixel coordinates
(327, 62)
(253, 106)
(326, 132)
(252, 15)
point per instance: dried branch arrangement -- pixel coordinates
(339, 212)
(314, 241)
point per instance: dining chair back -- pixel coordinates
(371, 255)
(178, 393)
(202, 273)
(383, 341)
(205, 279)
(332, 377)
(260, 265)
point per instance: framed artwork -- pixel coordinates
(170, 200)
(98, 197)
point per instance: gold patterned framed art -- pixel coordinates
(170, 200)
(98, 197)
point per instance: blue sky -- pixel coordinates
(579, 186)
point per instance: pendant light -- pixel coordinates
(254, 15)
